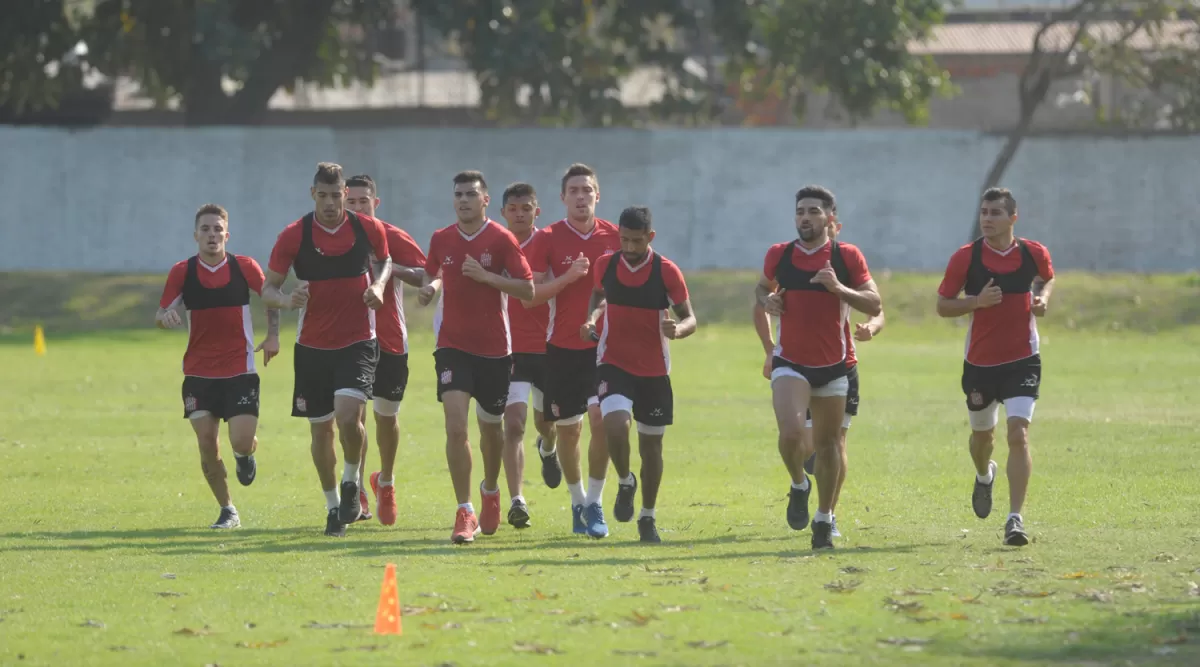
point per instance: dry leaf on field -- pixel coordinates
(557, 612)
(92, 624)
(335, 587)
(959, 617)
(1165, 558)
(974, 600)
(447, 626)
(314, 625)
(922, 619)
(914, 591)
(168, 575)
(640, 620)
(1080, 575)
(583, 620)
(636, 594)
(854, 570)
(540, 649)
(708, 644)
(276, 643)
(406, 610)
(120, 649)
(1026, 620)
(189, 632)
(905, 641)
(636, 654)
(1095, 595)
(902, 605)
(369, 647)
(840, 586)
(1133, 586)
(169, 594)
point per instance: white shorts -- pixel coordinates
(526, 393)
(846, 419)
(385, 408)
(1019, 407)
(838, 387)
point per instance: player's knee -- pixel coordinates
(456, 431)
(243, 444)
(514, 430)
(650, 446)
(982, 438)
(1018, 434)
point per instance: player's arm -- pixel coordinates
(409, 275)
(544, 290)
(864, 298)
(167, 318)
(762, 327)
(274, 297)
(768, 295)
(865, 331)
(596, 305)
(518, 288)
(685, 326)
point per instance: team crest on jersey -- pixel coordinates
(554, 409)
(301, 404)
(610, 251)
(486, 259)
(189, 403)
(447, 376)
(976, 398)
(602, 389)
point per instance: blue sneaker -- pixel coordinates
(594, 517)
(578, 527)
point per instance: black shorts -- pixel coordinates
(484, 378)
(653, 400)
(531, 368)
(391, 377)
(322, 373)
(851, 393)
(223, 398)
(570, 382)
(817, 377)
(984, 385)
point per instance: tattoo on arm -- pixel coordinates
(682, 310)
(596, 302)
(381, 269)
(273, 322)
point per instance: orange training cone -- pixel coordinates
(387, 618)
(39, 341)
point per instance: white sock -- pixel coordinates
(822, 517)
(627, 481)
(576, 490)
(647, 512)
(331, 499)
(595, 490)
(488, 492)
(350, 472)
(468, 507)
(547, 453)
(230, 507)
(1015, 514)
(518, 499)
(802, 486)
(985, 479)
(385, 482)
(241, 456)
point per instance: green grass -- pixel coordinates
(105, 500)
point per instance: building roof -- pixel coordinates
(1017, 38)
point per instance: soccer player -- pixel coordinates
(478, 265)
(863, 332)
(633, 375)
(808, 284)
(570, 362)
(341, 259)
(219, 378)
(998, 273)
(391, 375)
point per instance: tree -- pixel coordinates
(39, 63)
(1133, 42)
(191, 50)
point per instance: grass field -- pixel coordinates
(105, 558)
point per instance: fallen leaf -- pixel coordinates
(336, 587)
(706, 505)
(189, 632)
(119, 649)
(974, 600)
(406, 610)
(168, 575)
(677, 608)
(1165, 558)
(637, 594)
(1080, 575)
(582, 620)
(1095, 596)
(901, 605)
(313, 625)
(1026, 620)
(636, 654)
(663, 570)
(447, 626)
(556, 612)
(251, 626)
(369, 647)
(708, 644)
(840, 586)
(922, 619)
(274, 644)
(540, 649)
(641, 620)
(429, 595)
(1133, 586)
(914, 591)
(854, 570)
(959, 617)
(168, 594)
(91, 624)
(905, 641)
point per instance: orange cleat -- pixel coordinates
(466, 527)
(489, 518)
(385, 500)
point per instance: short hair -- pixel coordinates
(211, 209)
(637, 218)
(579, 169)
(362, 181)
(471, 176)
(328, 173)
(518, 190)
(818, 192)
(1002, 194)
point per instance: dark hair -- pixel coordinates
(362, 181)
(818, 192)
(518, 190)
(579, 169)
(471, 177)
(328, 173)
(1002, 194)
(637, 218)
(211, 209)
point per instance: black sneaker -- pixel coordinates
(810, 464)
(623, 506)
(351, 507)
(1014, 532)
(647, 531)
(981, 497)
(333, 525)
(822, 535)
(246, 469)
(518, 515)
(551, 470)
(228, 519)
(797, 509)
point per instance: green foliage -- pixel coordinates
(33, 42)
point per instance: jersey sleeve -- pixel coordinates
(956, 273)
(538, 251)
(377, 236)
(287, 245)
(1041, 257)
(433, 261)
(173, 290)
(601, 268)
(253, 273)
(856, 266)
(515, 263)
(404, 249)
(772, 261)
(677, 290)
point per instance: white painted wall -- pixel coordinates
(122, 200)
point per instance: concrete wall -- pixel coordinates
(122, 199)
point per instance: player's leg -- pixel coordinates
(790, 398)
(391, 381)
(354, 381)
(208, 431)
(654, 411)
(597, 459)
(617, 409)
(566, 402)
(455, 382)
(516, 411)
(983, 414)
(1018, 388)
(312, 399)
(491, 396)
(828, 406)
(852, 400)
(241, 412)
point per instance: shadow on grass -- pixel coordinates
(1169, 635)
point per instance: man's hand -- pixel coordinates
(299, 296)
(373, 297)
(990, 295)
(827, 277)
(169, 319)
(588, 332)
(774, 303)
(863, 332)
(578, 268)
(767, 366)
(425, 294)
(269, 347)
(668, 327)
(472, 269)
(1039, 306)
